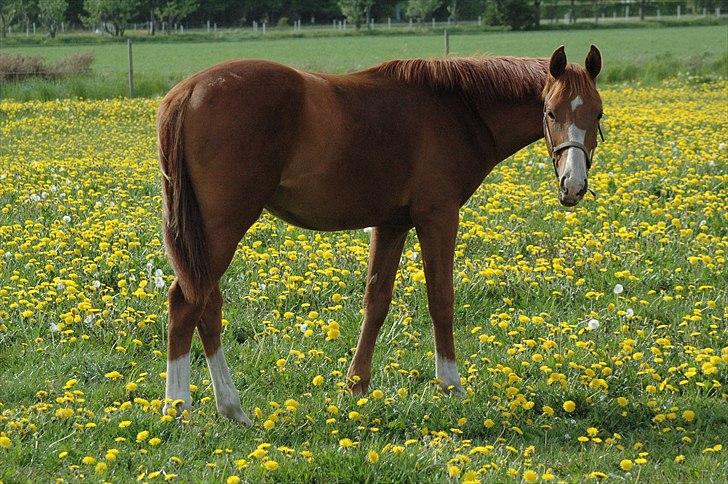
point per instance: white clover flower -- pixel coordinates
(262, 286)
(629, 313)
(53, 328)
(618, 289)
(592, 324)
(96, 284)
(158, 273)
(159, 282)
(66, 218)
(35, 198)
(304, 327)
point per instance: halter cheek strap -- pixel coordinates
(555, 150)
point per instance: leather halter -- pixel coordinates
(555, 150)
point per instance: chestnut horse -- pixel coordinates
(400, 145)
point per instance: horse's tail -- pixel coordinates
(184, 235)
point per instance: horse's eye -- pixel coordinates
(551, 115)
(599, 116)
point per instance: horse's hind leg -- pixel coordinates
(210, 328)
(183, 317)
(385, 250)
(224, 228)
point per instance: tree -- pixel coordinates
(597, 7)
(452, 10)
(52, 13)
(9, 9)
(643, 4)
(572, 13)
(517, 14)
(420, 9)
(117, 13)
(151, 6)
(536, 14)
(355, 11)
(175, 11)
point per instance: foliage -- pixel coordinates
(112, 15)
(453, 10)
(517, 14)
(174, 11)
(52, 13)
(421, 9)
(9, 9)
(355, 11)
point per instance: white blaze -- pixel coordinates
(576, 102)
(575, 165)
(226, 396)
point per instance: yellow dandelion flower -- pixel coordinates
(530, 476)
(373, 456)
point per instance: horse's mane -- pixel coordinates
(491, 78)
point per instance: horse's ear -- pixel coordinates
(593, 62)
(557, 65)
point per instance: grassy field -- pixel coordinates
(629, 54)
(639, 397)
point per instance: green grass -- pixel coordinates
(647, 54)
(659, 215)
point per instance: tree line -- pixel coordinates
(114, 16)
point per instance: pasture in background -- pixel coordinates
(634, 54)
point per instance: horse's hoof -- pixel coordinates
(177, 410)
(236, 414)
(454, 390)
(359, 389)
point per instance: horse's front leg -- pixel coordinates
(437, 232)
(385, 250)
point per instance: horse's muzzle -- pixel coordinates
(571, 191)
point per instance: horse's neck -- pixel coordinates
(513, 125)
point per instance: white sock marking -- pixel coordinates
(446, 370)
(226, 396)
(178, 380)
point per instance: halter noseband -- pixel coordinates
(555, 150)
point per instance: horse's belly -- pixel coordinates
(319, 204)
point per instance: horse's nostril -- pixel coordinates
(562, 182)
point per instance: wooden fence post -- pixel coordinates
(131, 70)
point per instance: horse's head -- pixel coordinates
(572, 109)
